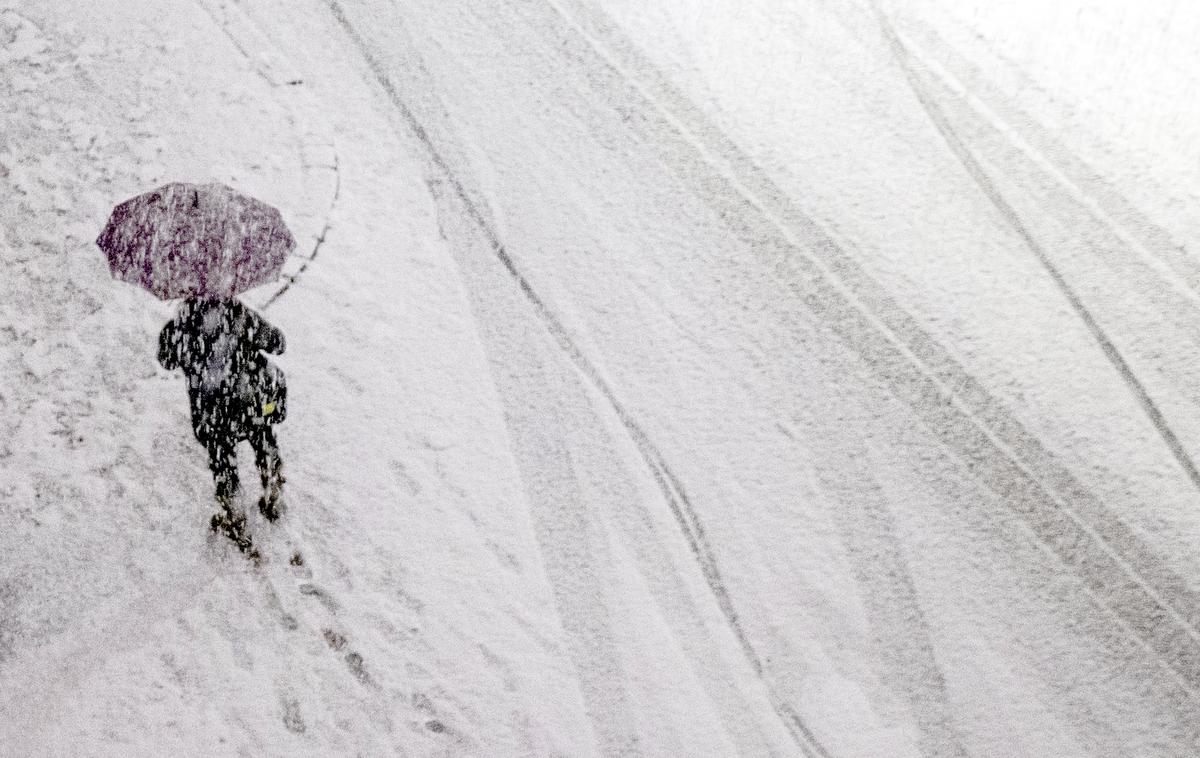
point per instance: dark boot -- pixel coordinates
(233, 525)
(269, 505)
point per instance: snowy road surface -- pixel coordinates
(754, 378)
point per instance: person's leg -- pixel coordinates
(266, 453)
(220, 443)
(266, 456)
(212, 426)
(222, 460)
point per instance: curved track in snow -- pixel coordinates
(1069, 523)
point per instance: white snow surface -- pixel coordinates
(668, 379)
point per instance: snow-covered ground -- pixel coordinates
(670, 379)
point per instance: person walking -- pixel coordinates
(204, 244)
(234, 394)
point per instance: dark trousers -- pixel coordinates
(222, 458)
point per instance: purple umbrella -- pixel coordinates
(195, 240)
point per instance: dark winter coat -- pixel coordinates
(231, 385)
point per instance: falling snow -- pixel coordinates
(664, 379)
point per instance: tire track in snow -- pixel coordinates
(1010, 215)
(893, 598)
(1080, 182)
(1138, 253)
(669, 485)
(575, 484)
(1156, 607)
(996, 198)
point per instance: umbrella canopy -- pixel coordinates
(195, 240)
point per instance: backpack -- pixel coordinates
(271, 406)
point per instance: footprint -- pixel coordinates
(312, 590)
(355, 662)
(292, 718)
(337, 642)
